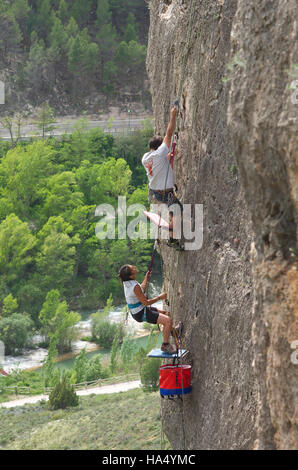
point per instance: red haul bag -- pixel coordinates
(174, 380)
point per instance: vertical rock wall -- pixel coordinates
(263, 118)
(223, 292)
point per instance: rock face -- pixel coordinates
(238, 294)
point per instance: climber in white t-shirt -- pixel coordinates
(157, 160)
(157, 163)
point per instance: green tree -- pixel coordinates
(80, 367)
(7, 123)
(113, 180)
(62, 194)
(63, 395)
(131, 54)
(115, 352)
(110, 71)
(35, 67)
(58, 41)
(63, 11)
(95, 370)
(57, 322)
(80, 11)
(106, 37)
(65, 327)
(109, 305)
(48, 312)
(16, 245)
(24, 171)
(131, 30)
(10, 34)
(45, 119)
(10, 306)
(72, 28)
(48, 368)
(150, 374)
(104, 332)
(56, 260)
(44, 18)
(82, 221)
(15, 332)
(103, 13)
(86, 370)
(82, 54)
(21, 11)
(127, 352)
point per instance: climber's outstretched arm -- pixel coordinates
(171, 127)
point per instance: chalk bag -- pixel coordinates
(174, 380)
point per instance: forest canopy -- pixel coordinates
(49, 190)
(69, 51)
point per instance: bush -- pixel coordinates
(63, 395)
(15, 332)
(127, 353)
(150, 374)
(87, 370)
(104, 332)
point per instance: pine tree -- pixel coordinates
(10, 33)
(63, 11)
(82, 54)
(131, 30)
(80, 11)
(103, 13)
(44, 18)
(57, 40)
(21, 11)
(63, 395)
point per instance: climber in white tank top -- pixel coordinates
(131, 298)
(140, 307)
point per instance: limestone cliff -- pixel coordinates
(238, 294)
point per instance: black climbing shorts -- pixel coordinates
(148, 314)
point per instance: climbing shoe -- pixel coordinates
(168, 348)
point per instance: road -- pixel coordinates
(106, 389)
(117, 127)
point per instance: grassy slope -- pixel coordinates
(123, 421)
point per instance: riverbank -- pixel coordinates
(89, 349)
(33, 359)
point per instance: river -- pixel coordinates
(33, 358)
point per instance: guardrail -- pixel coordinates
(17, 390)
